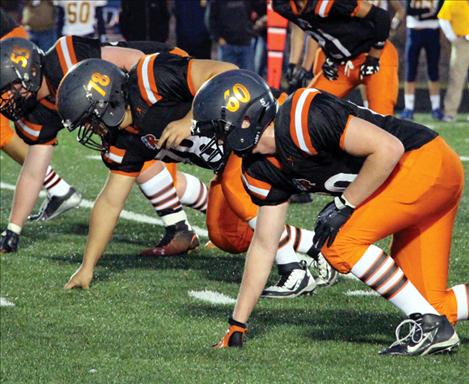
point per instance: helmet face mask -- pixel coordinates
(20, 77)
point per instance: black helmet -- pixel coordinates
(20, 76)
(236, 106)
(92, 97)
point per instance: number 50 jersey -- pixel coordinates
(310, 129)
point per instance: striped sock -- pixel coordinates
(383, 275)
(160, 191)
(461, 292)
(54, 184)
(302, 239)
(196, 194)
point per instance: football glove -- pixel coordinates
(330, 69)
(9, 241)
(289, 74)
(300, 78)
(329, 221)
(233, 336)
(369, 67)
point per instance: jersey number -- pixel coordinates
(83, 13)
(98, 79)
(234, 96)
(20, 56)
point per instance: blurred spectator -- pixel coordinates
(12, 8)
(230, 25)
(422, 32)
(454, 22)
(39, 21)
(81, 18)
(144, 20)
(191, 32)
(260, 41)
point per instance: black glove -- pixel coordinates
(234, 336)
(300, 78)
(330, 219)
(9, 241)
(330, 69)
(289, 75)
(369, 67)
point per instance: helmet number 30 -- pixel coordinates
(97, 81)
(238, 94)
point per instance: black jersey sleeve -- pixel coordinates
(261, 180)
(164, 75)
(120, 158)
(336, 8)
(147, 47)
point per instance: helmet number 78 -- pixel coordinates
(234, 96)
(97, 80)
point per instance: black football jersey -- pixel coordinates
(160, 91)
(309, 130)
(333, 25)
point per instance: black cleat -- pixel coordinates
(9, 241)
(428, 334)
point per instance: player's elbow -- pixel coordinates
(393, 149)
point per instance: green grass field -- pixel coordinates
(138, 324)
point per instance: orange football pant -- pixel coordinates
(229, 210)
(417, 205)
(381, 88)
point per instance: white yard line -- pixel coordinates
(5, 303)
(93, 157)
(464, 158)
(212, 297)
(127, 215)
(360, 293)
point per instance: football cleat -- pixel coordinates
(295, 280)
(178, 239)
(428, 334)
(234, 336)
(9, 241)
(437, 114)
(56, 205)
(322, 271)
(407, 114)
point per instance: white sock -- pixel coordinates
(195, 194)
(435, 100)
(409, 101)
(382, 274)
(461, 292)
(302, 238)
(54, 184)
(160, 191)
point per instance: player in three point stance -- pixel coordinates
(388, 176)
(125, 116)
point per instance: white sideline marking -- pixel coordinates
(360, 293)
(350, 276)
(464, 158)
(93, 157)
(212, 297)
(5, 303)
(127, 215)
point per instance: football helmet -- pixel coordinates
(235, 107)
(92, 97)
(20, 76)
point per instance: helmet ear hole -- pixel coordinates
(246, 123)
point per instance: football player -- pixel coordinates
(123, 115)
(353, 37)
(388, 176)
(29, 82)
(60, 195)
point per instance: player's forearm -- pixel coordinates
(30, 182)
(374, 172)
(296, 43)
(103, 220)
(375, 52)
(310, 53)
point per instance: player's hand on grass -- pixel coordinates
(9, 241)
(174, 133)
(80, 279)
(234, 335)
